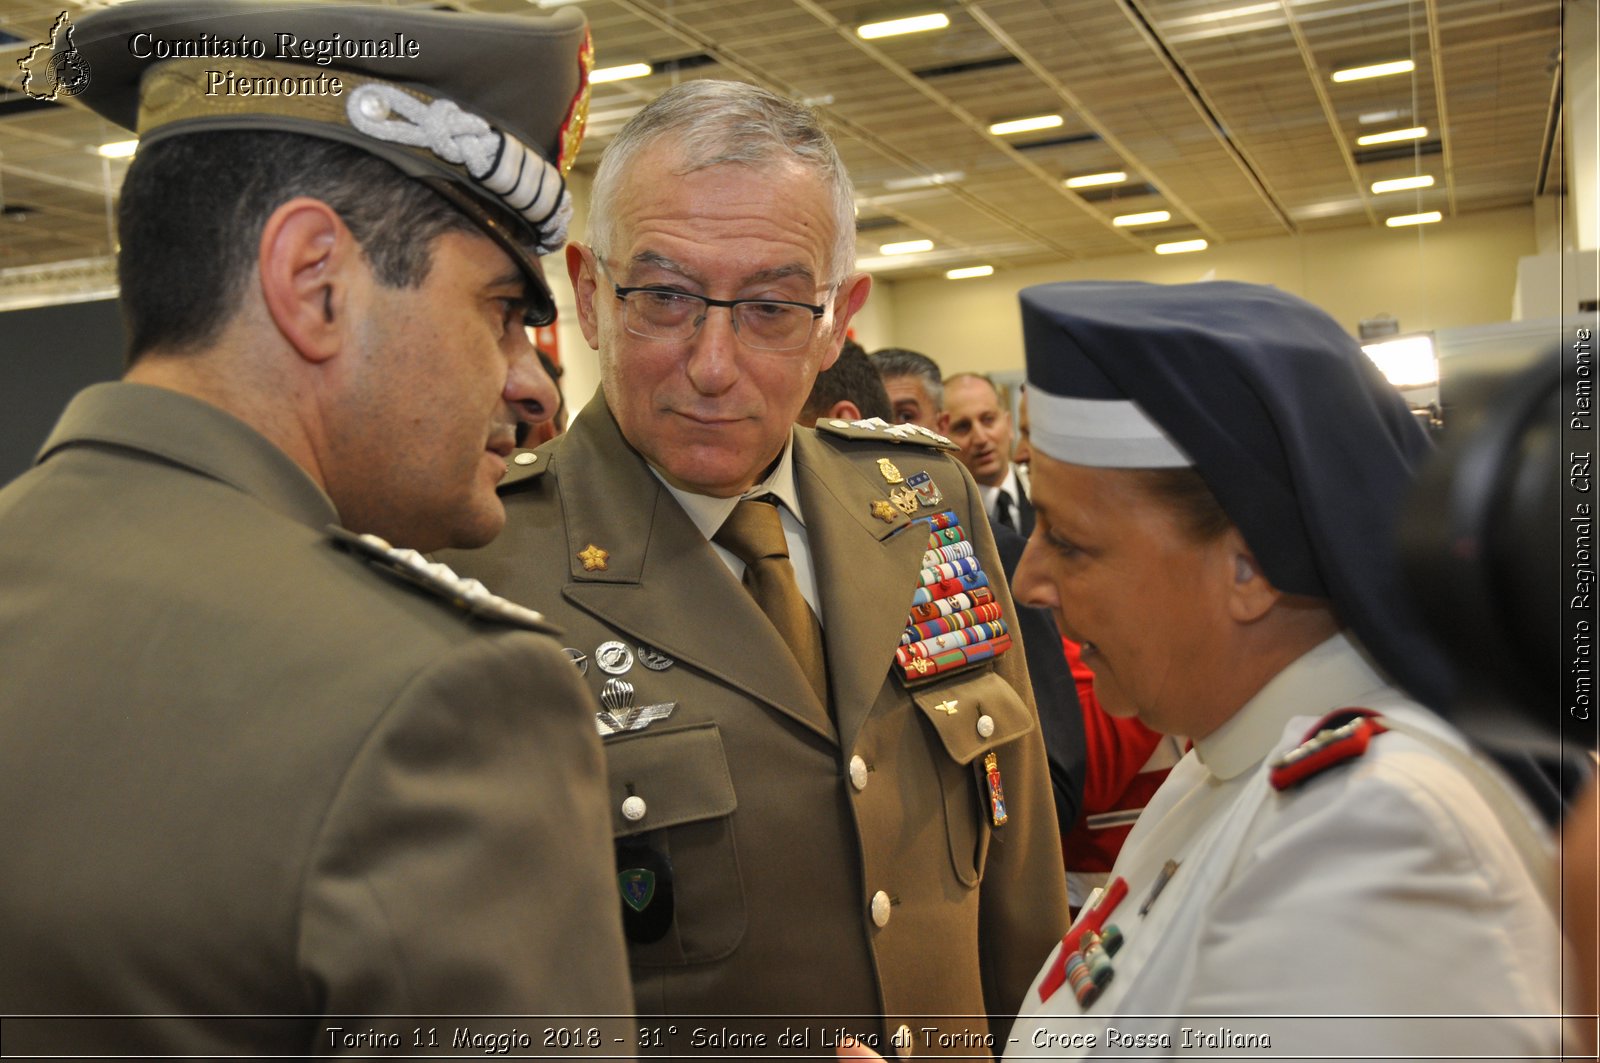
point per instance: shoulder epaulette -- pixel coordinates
(438, 579)
(1339, 736)
(879, 430)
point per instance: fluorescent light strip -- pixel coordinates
(904, 184)
(1377, 70)
(896, 26)
(1425, 218)
(1219, 16)
(118, 149)
(619, 73)
(968, 271)
(1179, 247)
(1090, 180)
(1151, 217)
(906, 247)
(1415, 133)
(1026, 125)
(1400, 184)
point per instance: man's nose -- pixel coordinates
(529, 389)
(713, 364)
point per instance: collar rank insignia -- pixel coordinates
(440, 580)
(955, 621)
(618, 714)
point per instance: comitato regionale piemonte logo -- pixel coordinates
(54, 68)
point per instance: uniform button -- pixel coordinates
(902, 1041)
(525, 458)
(858, 773)
(880, 908)
(985, 726)
(633, 808)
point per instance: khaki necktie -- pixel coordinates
(754, 534)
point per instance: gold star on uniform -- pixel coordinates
(884, 511)
(593, 558)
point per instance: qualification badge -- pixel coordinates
(890, 473)
(905, 499)
(618, 713)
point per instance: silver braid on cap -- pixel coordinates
(518, 176)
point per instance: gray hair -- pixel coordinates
(715, 122)
(899, 361)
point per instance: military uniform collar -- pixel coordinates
(196, 435)
(1332, 675)
(708, 513)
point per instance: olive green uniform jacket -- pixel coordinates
(777, 846)
(244, 771)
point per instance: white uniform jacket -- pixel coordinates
(1375, 909)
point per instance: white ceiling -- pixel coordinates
(1221, 112)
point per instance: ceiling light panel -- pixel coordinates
(906, 247)
(1393, 136)
(1425, 218)
(1094, 180)
(1376, 70)
(1026, 125)
(899, 26)
(1149, 217)
(1401, 184)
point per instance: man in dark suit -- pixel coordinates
(268, 785)
(827, 816)
(978, 420)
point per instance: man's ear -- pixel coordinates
(581, 269)
(852, 295)
(942, 423)
(1250, 595)
(844, 410)
(307, 262)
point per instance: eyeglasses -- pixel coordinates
(665, 314)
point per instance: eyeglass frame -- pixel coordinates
(622, 293)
